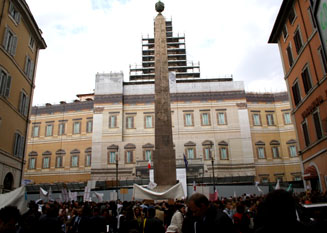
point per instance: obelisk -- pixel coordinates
(164, 161)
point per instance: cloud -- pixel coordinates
(89, 36)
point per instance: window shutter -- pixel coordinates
(26, 106)
(17, 18)
(21, 102)
(13, 46)
(21, 147)
(26, 65)
(10, 6)
(31, 70)
(5, 38)
(16, 144)
(8, 84)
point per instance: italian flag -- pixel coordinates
(149, 164)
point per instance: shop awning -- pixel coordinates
(310, 173)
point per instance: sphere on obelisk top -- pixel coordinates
(160, 6)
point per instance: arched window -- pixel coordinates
(148, 151)
(261, 151)
(292, 150)
(223, 150)
(8, 182)
(46, 158)
(74, 158)
(207, 149)
(112, 151)
(129, 153)
(190, 150)
(275, 149)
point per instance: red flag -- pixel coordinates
(213, 196)
(149, 164)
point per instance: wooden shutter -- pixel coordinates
(21, 102)
(13, 46)
(8, 84)
(17, 17)
(26, 65)
(31, 70)
(21, 147)
(26, 106)
(5, 37)
(16, 144)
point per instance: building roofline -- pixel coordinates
(32, 23)
(279, 23)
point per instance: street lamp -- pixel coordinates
(213, 169)
(117, 173)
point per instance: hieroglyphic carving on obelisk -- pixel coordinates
(164, 160)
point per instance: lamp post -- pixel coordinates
(213, 169)
(117, 186)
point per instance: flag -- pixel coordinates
(235, 194)
(64, 195)
(257, 186)
(149, 164)
(43, 193)
(290, 188)
(185, 161)
(277, 185)
(99, 196)
(213, 196)
(50, 194)
(86, 194)
(194, 186)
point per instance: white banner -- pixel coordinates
(15, 198)
(175, 192)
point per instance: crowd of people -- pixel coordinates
(279, 211)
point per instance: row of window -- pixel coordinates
(305, 75)
(317, 126)
(129, 155)
(188, 120)
(275, 150)
(59, 159)
(5, 84)
(10, 39)
(49, 128)
(205, 119)
(256, 118)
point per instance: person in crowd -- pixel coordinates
(151, 223)
(172, 228)
(9, 218)
(98, 223)
(241, 219)
(277, 214)
(178, 217)
(208, 218)
(138, 215)
(50, 222)
(128, 223)
(228, 208)
(29, 220)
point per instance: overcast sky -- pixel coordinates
(89, 36)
